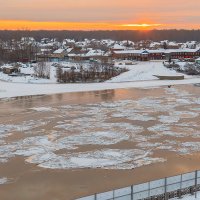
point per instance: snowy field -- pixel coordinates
(138, 76)
(142, 71)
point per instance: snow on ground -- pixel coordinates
(29, 78)
(143, 71)
(20, 89)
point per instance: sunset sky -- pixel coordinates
(99, 14)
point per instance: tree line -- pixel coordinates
(95, 73)
(155, 35)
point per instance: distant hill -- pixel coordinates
(155, 35)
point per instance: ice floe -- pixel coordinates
(143, 122)
(106, 158)
(43, 109)
(3, 180)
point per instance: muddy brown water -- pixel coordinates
(31, 182)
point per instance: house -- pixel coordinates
(142, 55)
(159, 54)
(182, 53)
(77, 54)
(117, 47)
(7, 69)
(58, 55)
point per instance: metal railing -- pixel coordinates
(166, 188)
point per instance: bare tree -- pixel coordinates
(59, 74)
(42, 70)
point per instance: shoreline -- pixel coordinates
(10, 90)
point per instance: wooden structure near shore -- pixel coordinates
(178, 77)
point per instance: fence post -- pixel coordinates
(131, 192)
(149, 189)
(181, 181)
(95, 197)
(166, 189)
(196, 177)
(181, 185)
(113, 194)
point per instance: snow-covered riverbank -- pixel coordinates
(22, 89)
(138, 76)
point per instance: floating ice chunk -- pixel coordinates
(177, 92)
(159, 128)
(184, 101)
(168, 119)
(106, 158)
(184, 114)
(140, 117)
(3, 181)
(188, 124)
(193, 146)
(29, 151)
(43, 109)
(95, 138)
(155, 104)
(148, 161)
(37, 145)
(40, 158)
(147, 145)
(116, 103)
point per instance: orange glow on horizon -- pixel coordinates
(85, 26)
(141, 25)
(31, 25)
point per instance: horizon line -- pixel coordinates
(98, 30)
(90, 26)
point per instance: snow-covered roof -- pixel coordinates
(69, 40)
(172, 44)
(153, 44)
(133, 51)
(69, 50)
(58, 51)
(8, 66)
(96, 52)
(43, 50)
(117, 46)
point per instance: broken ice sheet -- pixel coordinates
(94, 138)
(141, 117)
(177, 92)
(184, 114)
(43, 109)
(168, 119)
(106, 158)
(159, 128)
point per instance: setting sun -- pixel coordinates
(141, 26)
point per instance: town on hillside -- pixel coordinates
(90, 60)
